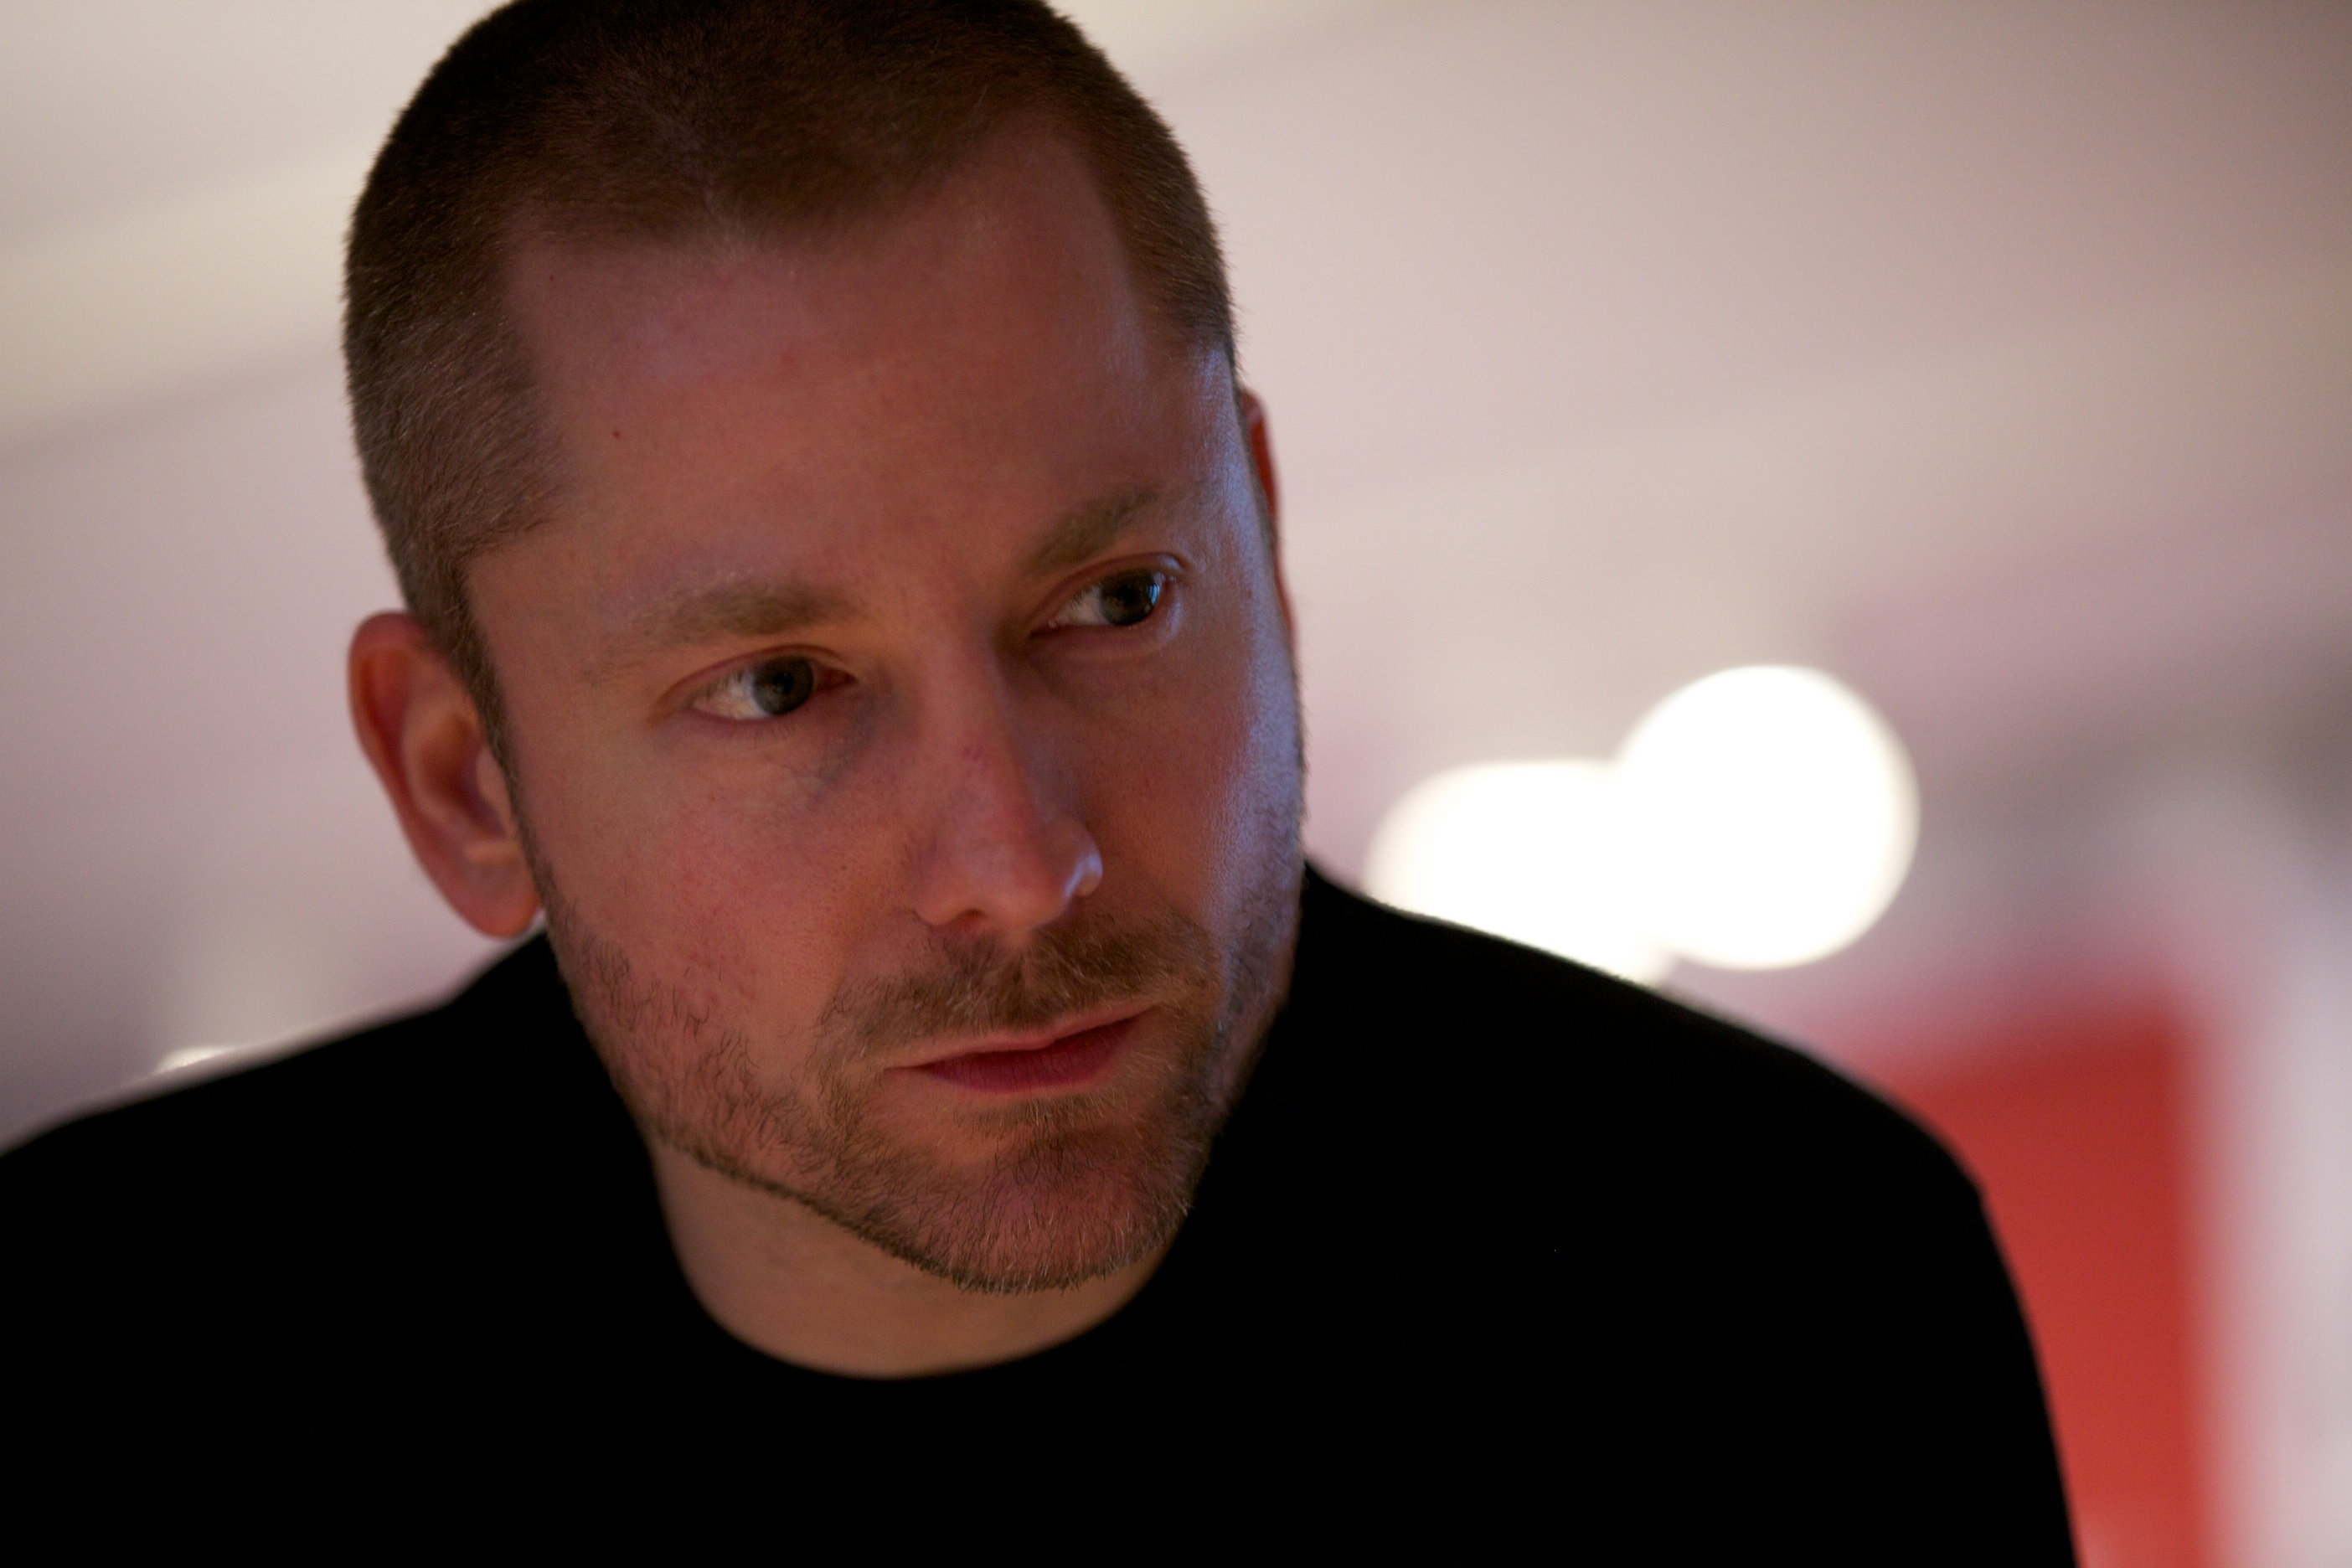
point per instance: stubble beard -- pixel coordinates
(1071, 1188)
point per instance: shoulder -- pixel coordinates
(395, 1184)
(1612, 1078)
(339, 1116)
(446, 1190)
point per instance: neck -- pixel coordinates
(786, 1280)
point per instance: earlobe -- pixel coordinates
(424, 739)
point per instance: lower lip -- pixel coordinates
(1071, 1060)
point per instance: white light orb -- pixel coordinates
(1532, 851)
(1772, 815)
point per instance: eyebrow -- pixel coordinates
(727, 610)
(1083, 533)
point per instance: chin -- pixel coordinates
(1053, 1209)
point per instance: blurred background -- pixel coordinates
(1996, 359)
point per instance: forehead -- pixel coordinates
(990, 312)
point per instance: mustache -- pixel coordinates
(979, 987)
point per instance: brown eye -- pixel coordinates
(1124, 599)
(768, 690)
(1130, 597)
(781, 685)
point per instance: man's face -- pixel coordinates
(903, 719)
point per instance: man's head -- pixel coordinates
(806, 433)
(655, 119)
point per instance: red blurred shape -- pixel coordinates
(2072, 1122)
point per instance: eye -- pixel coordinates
(768, 690)
(1122, 599)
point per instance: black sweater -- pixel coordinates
(1494, 1246)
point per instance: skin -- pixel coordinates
(909, 452)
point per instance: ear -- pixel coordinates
(1261, 454)
(425, 741)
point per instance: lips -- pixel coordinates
(1063, 1062)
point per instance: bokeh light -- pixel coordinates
(1760, 817)
(1532, 851)
(1774, 813)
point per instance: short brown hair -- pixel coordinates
(668, 120)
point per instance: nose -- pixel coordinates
(1006, 851)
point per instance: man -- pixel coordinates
(844, 603)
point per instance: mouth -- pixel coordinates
(1062, 1059)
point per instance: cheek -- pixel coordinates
(725, 880)
(1206, 770)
